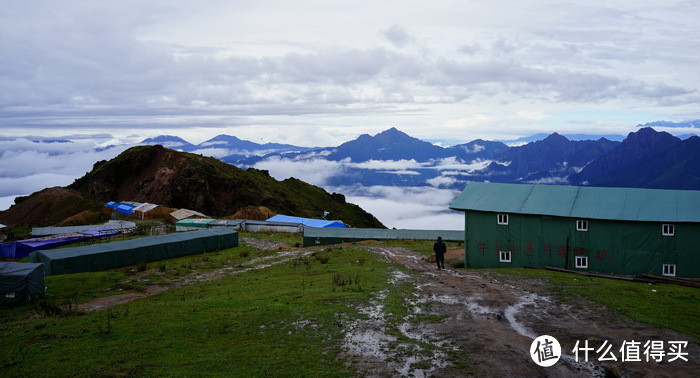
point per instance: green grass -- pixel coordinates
(280, 321)
(284, 320)
(670, 306)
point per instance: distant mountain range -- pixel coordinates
(227, 148)
(687, 124)
(645, 159)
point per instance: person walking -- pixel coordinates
(440, 248)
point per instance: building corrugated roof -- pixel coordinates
(186, 213)
(624, 204)
(195, 222)
(308, 222)
(53, 230)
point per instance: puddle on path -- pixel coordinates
(385, 354)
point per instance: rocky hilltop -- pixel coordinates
(175, 179)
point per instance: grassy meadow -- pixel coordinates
(283, 320)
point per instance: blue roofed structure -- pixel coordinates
(125, 209)
(307, 222)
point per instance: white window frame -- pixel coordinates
(502, 219)
(581, 225)
(504, 256)
(581, 262)
(668, 229)
(668, 270)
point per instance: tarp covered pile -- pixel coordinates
(20, 281)
(22, 248)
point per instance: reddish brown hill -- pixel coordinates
(51, 206)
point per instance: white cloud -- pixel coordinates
(549, 180)
(32, 183)
(261, 66)
(313, 171)
(213, 152)
(6, 202)
(26, 166)
(476, 148)
(399, 165)
(171, 145)
(398, 35)
(314, 154)
(452, 163)
(401, 172)
(413, 207)
(443, 181)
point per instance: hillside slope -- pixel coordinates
(51, 206)
(182, 180)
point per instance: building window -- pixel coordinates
(503, 219)
(581, 262)
(668, 229)
(581, 225)
(669, 270)
(504, 256)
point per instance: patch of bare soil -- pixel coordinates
(263, 244)
(492, 325)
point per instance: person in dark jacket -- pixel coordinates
(440, 248)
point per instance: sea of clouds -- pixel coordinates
(30, 164)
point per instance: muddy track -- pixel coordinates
(492, 325)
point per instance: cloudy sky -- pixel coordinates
(319, 73)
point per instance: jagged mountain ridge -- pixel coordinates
(230, 148)
(646, 159)
(554, 159)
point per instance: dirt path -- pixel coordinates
(493, 325)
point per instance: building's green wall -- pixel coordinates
(611, 247)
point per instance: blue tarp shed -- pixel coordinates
(125, 209)
(308, 222)
(22, 248)
(112, 204)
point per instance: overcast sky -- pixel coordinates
(318, 73)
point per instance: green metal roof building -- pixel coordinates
(608, 230)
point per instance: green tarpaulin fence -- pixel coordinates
(129, 252)
(326, 236)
